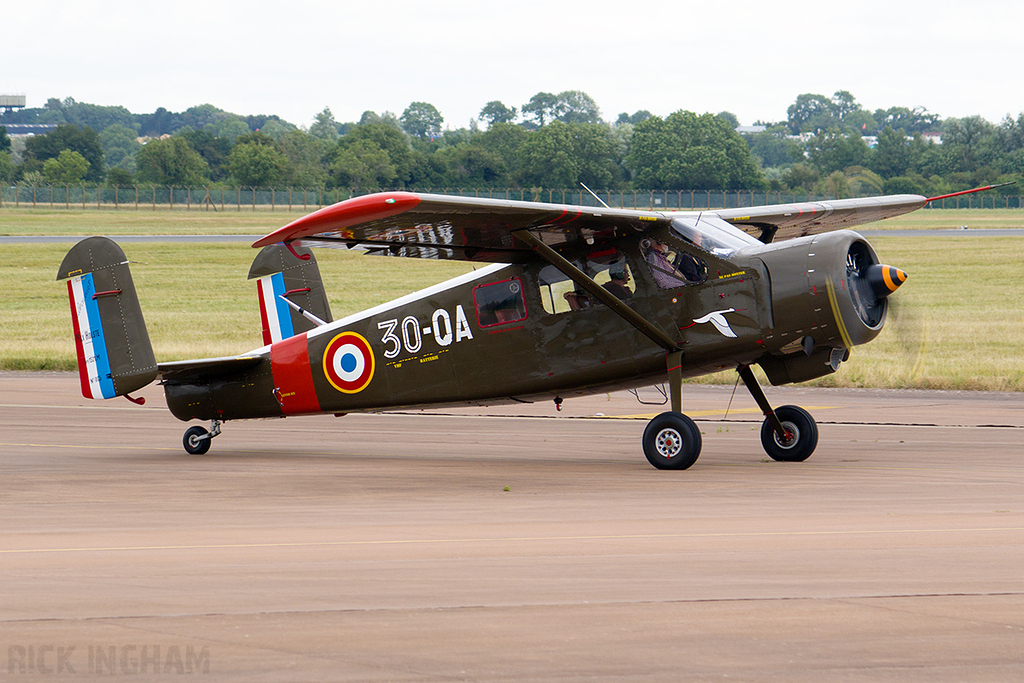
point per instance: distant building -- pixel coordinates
(12, 102)
(27, 130)
(750, 130)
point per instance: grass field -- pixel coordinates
(958, 323)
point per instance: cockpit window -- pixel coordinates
(608, 268)
(672, 267)
(712, 234)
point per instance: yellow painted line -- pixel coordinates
(702, 413)
(835, 312)
(514, 539)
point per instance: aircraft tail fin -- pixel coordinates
(291, 292)
(115, 356)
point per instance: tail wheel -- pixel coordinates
(801, 435)
(672, 441)
(197, 440)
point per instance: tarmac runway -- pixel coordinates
(512, 544)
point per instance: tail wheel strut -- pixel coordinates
(197, 440)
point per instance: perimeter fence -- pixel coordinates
(212, 198)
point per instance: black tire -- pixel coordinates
(672, 441)
(799, 423)
(193, 441)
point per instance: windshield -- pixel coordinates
(712, 234)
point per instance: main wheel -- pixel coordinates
(196, 440)
(672, 441)
(801, 435)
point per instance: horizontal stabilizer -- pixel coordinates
(204, 370)
(115, 356)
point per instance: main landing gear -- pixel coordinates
(197, 440)
(672, 441)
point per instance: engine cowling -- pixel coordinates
(829, 293)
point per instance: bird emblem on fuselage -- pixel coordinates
(717, 318)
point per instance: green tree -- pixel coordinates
(160, 122)
(687, 151)
(212, 149)
(892, 155)
(563, 155)
(729, 118)
(306, 157)
(201, 115)
(171, 161)
(421, 120)
(575, 106)
(254, 164)
(7, 168)
(811, 113)
(120, 145)
(119, 177)
(637, 117)
(69, 168)
(5, 141)
(916, 120)
(276, 129)
(363, 164)
(834, 150)
(324, 126)
(773, 148)
(800, 177)
(230, 128)
(540, 108)
(85, 141)
(504, 140)
(376, 154)
(496, 112)
(547, 158)
(971, 141)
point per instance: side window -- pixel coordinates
(672, 267)
(556, 290)
(609, 269)
(499, 302)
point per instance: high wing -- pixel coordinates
(462, 228)
(479, 229)
(785, 221)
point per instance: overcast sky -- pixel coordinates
(293, 59)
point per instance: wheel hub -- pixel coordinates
(669, 443)
(791, 435)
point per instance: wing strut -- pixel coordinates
(587, 283)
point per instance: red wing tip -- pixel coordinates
(343, 214)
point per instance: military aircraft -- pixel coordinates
(574, 301)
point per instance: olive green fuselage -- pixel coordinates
(501, 335)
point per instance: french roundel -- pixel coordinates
(348, 363)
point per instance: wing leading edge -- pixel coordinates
(786, 221)
(462, 228)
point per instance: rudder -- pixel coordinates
(115, 356)
(293, 274)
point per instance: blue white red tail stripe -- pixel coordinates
(90, 342)
(277, 317)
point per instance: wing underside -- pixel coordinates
(462, 228)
